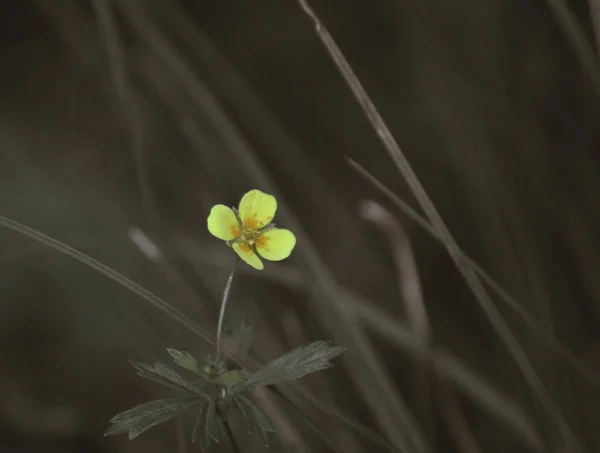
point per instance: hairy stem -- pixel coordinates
(226, 292)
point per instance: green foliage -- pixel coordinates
(230, 377)
(308, 359)
(213, 392)
(254, 418)
(141, 418)
(184, 359)
(206, 429)
(164, 375)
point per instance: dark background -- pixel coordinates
(192, 103)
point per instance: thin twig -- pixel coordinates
(472, 279)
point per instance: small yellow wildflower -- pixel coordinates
(249, 230)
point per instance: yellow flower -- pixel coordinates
(249, 230)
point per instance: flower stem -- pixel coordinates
(226, 292)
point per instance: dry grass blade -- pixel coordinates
(132, 113)
(154, 300)
(472, 279)
(412, 296)
(577, 38)
(410, 285)
(461, 431)
(488, 397)
(504, 296)
(595, 13)
(453, 369)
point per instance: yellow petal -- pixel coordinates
(257, 209)
(223, 223)
(276, 244)
(247, 254)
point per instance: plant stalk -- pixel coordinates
(224, 301)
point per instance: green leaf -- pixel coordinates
(241, 332)
(206, 428)
(230, 377)
(184, 359)
(166, 376)
(141, 418)
(254, 418)
(294, 365)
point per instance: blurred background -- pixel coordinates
(125, 116)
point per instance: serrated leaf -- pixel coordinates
(254, 418)
(140, 419)
(166, 376)
(184, 359)
(242, 333)
(206, 428)
(294, 365)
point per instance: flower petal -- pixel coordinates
(246, 253)
(223, 223)
(257, 209)
(276, 244)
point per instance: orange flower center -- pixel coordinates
(245, 248)
(235, 230)
(261, 241)
(251, 223)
